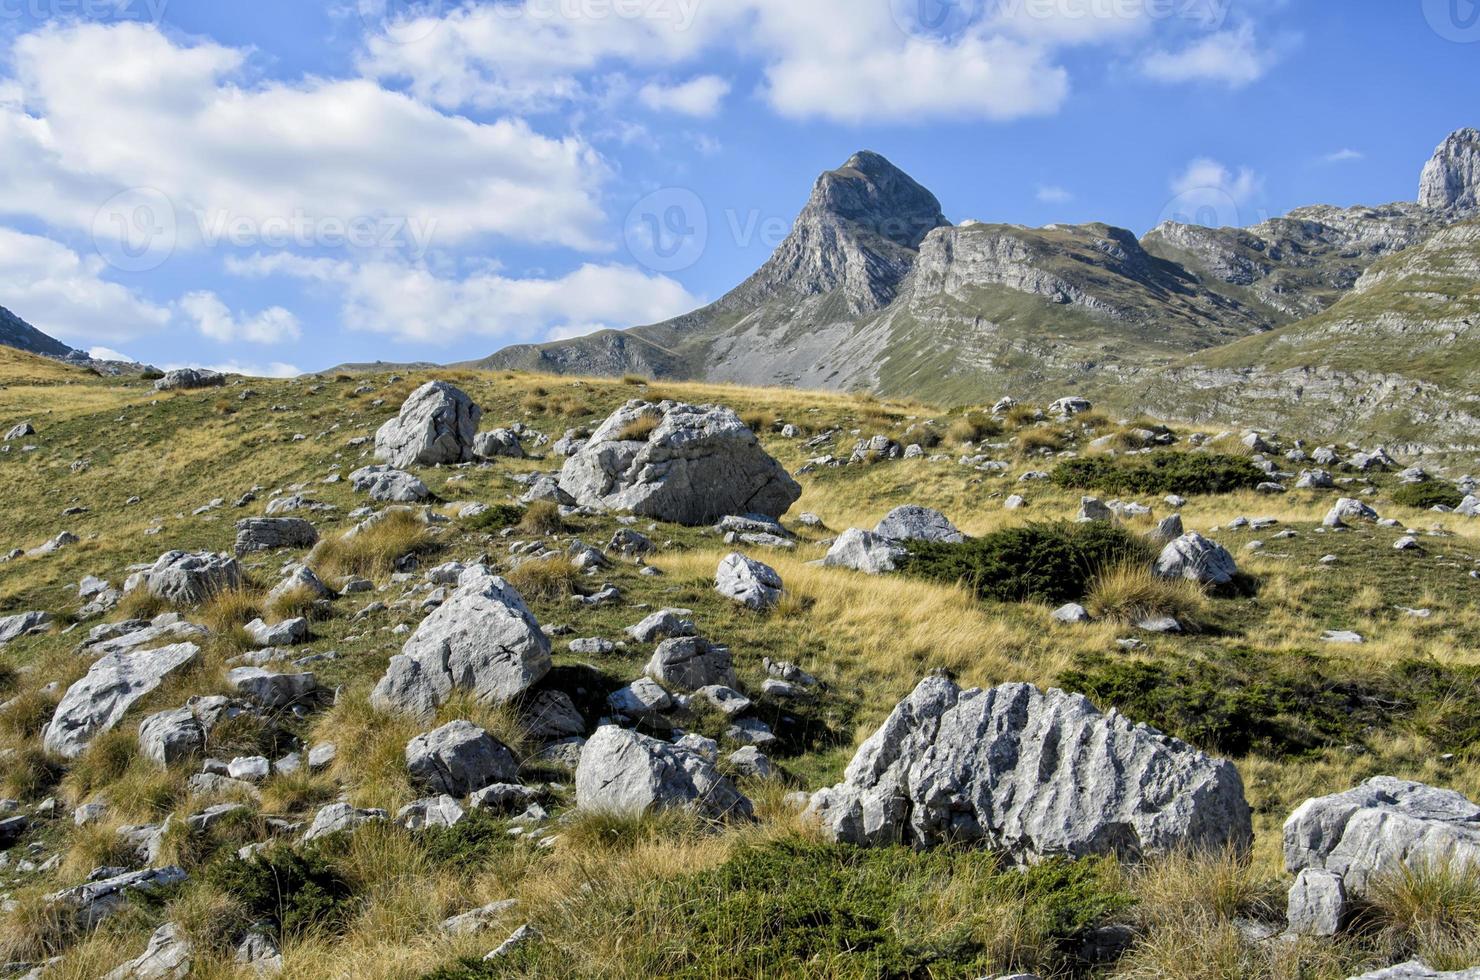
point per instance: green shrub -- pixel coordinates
(1427, 495)
(1036, 562)
(294, 892)
(1160, 473)
(496, 518)
(476, 838)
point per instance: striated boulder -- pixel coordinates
(22, 624)
(97, 702)
(689, 464)
(691, 663)
(458, 758)
(482, 639)
(497, 443)
(437, 424)
(1034, 774)
(190, 379)
(387, 484)
(341, 818)
(173, 736)
(749, 582)
(272, 533)
(1349, 509)
(627, 773)
(188, 579)
(912, 523)
(167, 957)
(864, 551)
(1195, 558)
(107, 890)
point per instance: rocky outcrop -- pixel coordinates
(189, 379)
(1451, 179)
(690, 663)
(437, 425)
(107, 890)
(1196, 559)
(1034, 774)
(189, 579)
(387, 484)
(182, 733)
(272, 533)
(626, 773)
(498, 443)
(23, 624)
(483, 639)
(167, 957)
(97, 702)
(1360, 836)
(689, 464)
(459, 758)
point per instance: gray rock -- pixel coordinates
(483, 639)
(748, 582)
(190, 379)
(1416, 970)
(1344, 637)
(433, 812)
(548, 489)
(1034, 775)
(189, 579)
(694, 465)
(290, 632)
(137, 634)
(20, 431)
(23, 624)
(1071, 614)
(249, 768)
(478, 919)
(627, 773)
(503, 798)
(631, 543)
(1380, 827)
(497, 443)
(300, 579)
(643, 699)
(691, 663)
(337, 818)
(271, 689)
(1069, 407)
(1315, 480)
(1317, 903)
(1451, 178)
(1094, 509)
(1348, 510)
(864, 551)
(552, 716)
(260, 952)
(729, 701)
(458, 758)
(1195, 558)
(664, 624)
(272, 533)
(107, 889)
(521, 936)
(97, 702)
(751, 761)
(173, 736)
(1168, 530)
(913, 523)
(389, 485)
(437, 424)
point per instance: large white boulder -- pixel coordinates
(691, 663)
(483, 639)
(437, 424)
(97, 702)
(1033, 774)
(1195, 558)
(689, 464)
(188, 579)
(914, 523)
(626, 773)
(864, 551)
(458, 758)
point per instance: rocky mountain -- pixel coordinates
(875, 289)
(17, 333)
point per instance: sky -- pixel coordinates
(278, 186)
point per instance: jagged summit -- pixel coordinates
(1451, 179)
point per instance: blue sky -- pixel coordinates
(281, 185)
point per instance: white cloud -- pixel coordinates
(1049, 194)
(1233, 57)
(416, 304)
(64, 295)
(274, 369)
(109, 354)
(215, 320)
(1211, 193)
(1344, 156)
(699, 96)
(179, 119)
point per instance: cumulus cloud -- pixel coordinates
(65, 295)
(179, 119)
(214, 319)
(1234, 58)
(697, 97)
(416, 304)
(109, 354)
(1211, 193)
(274, 369)
(1049, 194)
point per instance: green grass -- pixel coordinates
(1160, 473)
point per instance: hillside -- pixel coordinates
(17, 333)
(970, 312)
(130, 474)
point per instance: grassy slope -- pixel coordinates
(869, 640)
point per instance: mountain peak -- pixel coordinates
(876, 198)
(1451, 179)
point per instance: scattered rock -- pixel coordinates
(436, 425)
(272, 533)
(664, 624)
(624, 772)
(864, 551)
(190, 379)
(97, 702)
(748, 582)
(691, 663)
(496, 444)
(339, 818)
(389, 485)
(189, 579)
(1195, 558)
(913, 523)
(458, 758)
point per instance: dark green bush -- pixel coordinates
(1281, 705)
(1036, 562)
(1160, 473)
(294, 892)
(476, 838)
(496, 518)
(1427, 495)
